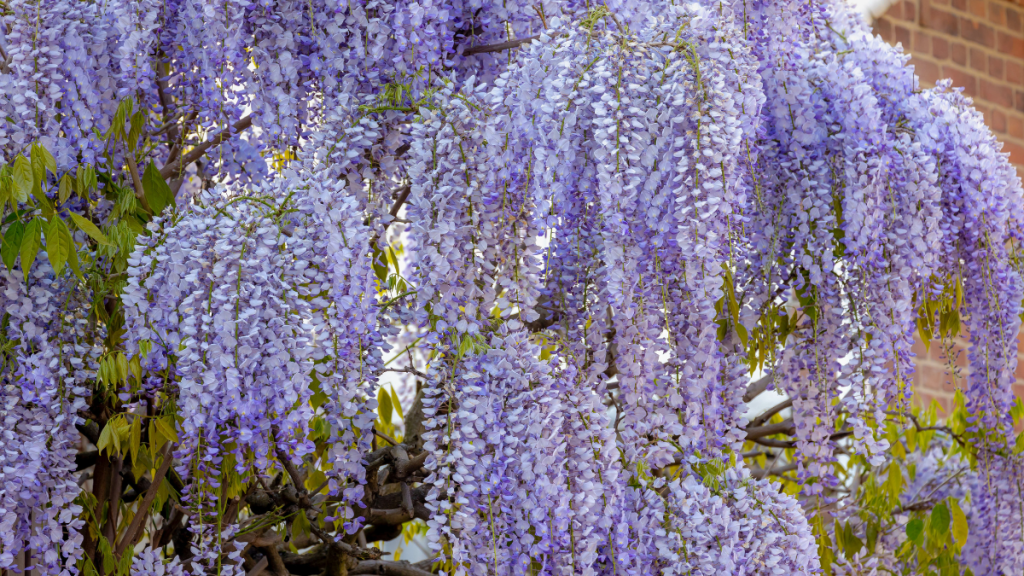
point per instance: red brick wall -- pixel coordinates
(938, 376)
(979, 44)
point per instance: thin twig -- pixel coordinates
(259, 567)
(755, 388)
(500, 47)
(384, 436)
(406, 371)
(767, 415)
(387, 568)
(176, 166)
(286, 462)
(403, 196)
(133, 168)
(135, 528)
(785, 427)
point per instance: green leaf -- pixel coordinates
(44, 203)
(134, 224)
(397, 404)
(851, 544)
(894, 483)
(315, 479)
(300, 524)
(914, 529)
(135, 365)
(86, 225)
(959, 523)
(393, 259)
(7, 188)
(74, 264)
(135, 437)
(58, 244)
(124, 564)
(38, 164)
(1017, 412)
(45, 159)
(30, 245)
(23, 180)
(465, 345)
(124, 109)
(158, 193)
(85, 178)
(12, 243)
(165, 424)
(109, 441)
(318, 398)
(107, 555)
(156, 440)
(924, 332)
(939, 523)
(138, 121)
(141, 463)
(122, 366)
(380, 264)
(65, 188)
(384, 407)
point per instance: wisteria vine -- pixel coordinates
(568, 243)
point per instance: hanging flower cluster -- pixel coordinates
(45, 358)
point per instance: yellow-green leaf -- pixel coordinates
(122, 366)
(45, 206)
(924, 332)
(45, 160)
(22, 178)
(156, 440)
(86, 225)
(914, 529)
(12, 243)
(315, 479)
(58, 244)
(165, 424)
(85, 178)
(30, 245)
(65, 188)
(136, 367)
(939, 521)
(959, 523)
(384, 407)
(138, 121)
(300, 525)
(110, 439)
(142, 463)
(397, 404)
(73, 263)
(894, 482)
(158, 193)
(136, 438)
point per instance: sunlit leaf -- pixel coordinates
(11, 244)
(960, 527)
(22, 178)
(85, 225)
(397, 404)
(158, 193)
(31, 242)
(384, 407)
(58, 244)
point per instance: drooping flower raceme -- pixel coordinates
(41, 394)
(249, 298)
